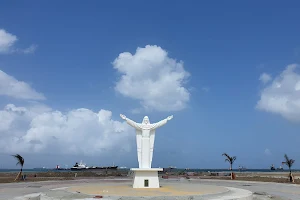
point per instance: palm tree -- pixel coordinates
(289, 162)
(231, 161)
(20, 162)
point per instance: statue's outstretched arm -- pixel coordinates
(161, 123)
(131, 122)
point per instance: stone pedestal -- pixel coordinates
(146, 178)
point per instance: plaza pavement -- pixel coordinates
(62, 189)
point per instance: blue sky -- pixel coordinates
(234, 57)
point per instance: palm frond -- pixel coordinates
(233, 159)
(20, 159)
(292, 161)
(228, 158)
(286, 158)
(226, 155)
(289, 162)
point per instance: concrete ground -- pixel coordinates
(262, 190)
(168, 189)
(69, 189)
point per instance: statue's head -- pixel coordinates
(146, 120)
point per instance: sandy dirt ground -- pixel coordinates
(278, 177)
(63, 189)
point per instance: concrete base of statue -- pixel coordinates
(146, 178)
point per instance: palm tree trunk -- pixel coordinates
(21, 171)
(292, 180)
(231, 174)
(18, 175)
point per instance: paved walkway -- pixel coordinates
(262, 191)
(168, 189)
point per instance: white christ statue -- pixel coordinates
(145, 134)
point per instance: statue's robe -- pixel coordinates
(145, 135)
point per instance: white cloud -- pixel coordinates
(38, 129)
(9, 86)
(136, 111)
(205, 89)
(267, 152)
(7, 40)
(153, 78)
(7, 44)
(15, 120)
(282, 95)
(264, 77)
(31, 49)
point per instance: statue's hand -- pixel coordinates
(123, 116)
(170, 117)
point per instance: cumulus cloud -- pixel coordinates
(267, 152)
(13, 118)
(7, 44)
(30, 49)
(9, 86)
(136, 110)
(205, 89)
(264, 77)
(282, 95)
(153, 78)
(39, 129)
(7, 40)
(36, 128)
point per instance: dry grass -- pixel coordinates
(254, 178)
(47, 176)
(59, 175)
